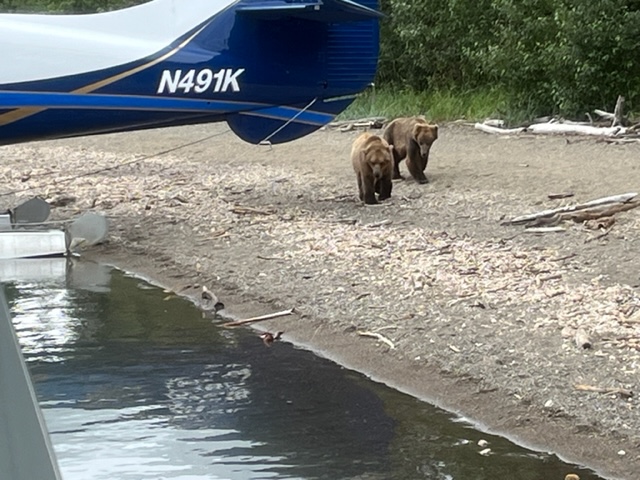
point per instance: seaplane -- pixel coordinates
(274, 70)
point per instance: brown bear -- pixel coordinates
(373, 163)
(411, 137)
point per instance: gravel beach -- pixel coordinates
(426, 292)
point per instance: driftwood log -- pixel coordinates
(617, 117)
(623, 199)
(576, 129)
(347, 125)
(558, 126)
(600, 212)
(498, 130)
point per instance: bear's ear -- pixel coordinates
(435, 131)
(416, 130)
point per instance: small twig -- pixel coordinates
(220, 233)
(262, 257)
(556, 196)
(545, 229)
(348, 221)
(259, 319)
(379, 336)
(379, 224)
(386, 327)
(554, 276)
(496, 289)
(555, 293)
(624, 393)
(462, 298)
(338, 198)
(566, 257)
(240, 210)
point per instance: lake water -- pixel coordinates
(135, 384)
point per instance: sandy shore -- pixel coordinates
(475, 317)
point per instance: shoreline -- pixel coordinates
(482, 317)
(446, 391)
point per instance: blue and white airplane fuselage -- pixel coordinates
(273, 69)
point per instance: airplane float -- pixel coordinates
(274, 70)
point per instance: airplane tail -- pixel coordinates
(331, 51)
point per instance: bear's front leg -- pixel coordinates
(360, 189)
(385, 186)
(415, 163)
(416, 171)
(369, 191)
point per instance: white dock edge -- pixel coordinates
(25, 448)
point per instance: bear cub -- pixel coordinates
(411, 137)
(373, 163)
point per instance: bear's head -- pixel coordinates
(378, 155)
(424, 135)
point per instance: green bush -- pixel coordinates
(548, 56)
(64, 6)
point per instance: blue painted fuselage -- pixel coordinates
(274, 70)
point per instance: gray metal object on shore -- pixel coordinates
(25, 448)
(35, 210)
(88, 229)
(23, 232)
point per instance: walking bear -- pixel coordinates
(373, 163)
(412, 138)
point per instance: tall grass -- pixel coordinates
(437, 105)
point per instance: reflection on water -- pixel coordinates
(137, 385)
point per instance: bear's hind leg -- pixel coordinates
(415, 163)
(396, 164)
